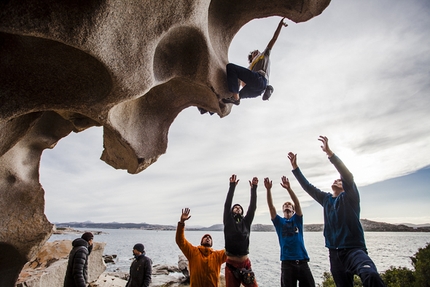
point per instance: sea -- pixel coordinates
(385, 248)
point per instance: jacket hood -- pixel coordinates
(237, 204)
(79, 242)
(205, 251)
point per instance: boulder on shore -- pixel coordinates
(48, 268)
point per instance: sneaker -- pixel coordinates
(268, 92)
(231, 101)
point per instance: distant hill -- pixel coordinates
(368, 225)
(116, 225)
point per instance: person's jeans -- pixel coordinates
(344, 263)
(293, 271)
(255, 82)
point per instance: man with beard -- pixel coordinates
(77, 267)
(140, 269)
(204, 263)
(237, 229)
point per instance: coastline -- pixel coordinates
(368, 225)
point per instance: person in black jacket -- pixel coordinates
(140, 269)
(237, 229)
(77, 267)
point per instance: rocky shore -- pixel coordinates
(48, 269)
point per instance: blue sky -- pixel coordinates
(359, 73)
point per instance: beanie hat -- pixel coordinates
(201, 241)
(87, 236)
(139, 247)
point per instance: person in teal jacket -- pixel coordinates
(344, 236)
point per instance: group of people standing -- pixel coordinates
(344, 236)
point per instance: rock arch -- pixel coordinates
(69, 65)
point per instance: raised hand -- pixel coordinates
(185, 214)
(283, 23)
(233, 179)
(285, 182)
(293, 159)
(325, 146)
(268, 183)
(253, 182)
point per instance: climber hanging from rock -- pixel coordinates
(255, 78)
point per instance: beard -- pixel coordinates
(205, 244)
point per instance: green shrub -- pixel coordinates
(421, 262)
(329, 281)
(398, 277)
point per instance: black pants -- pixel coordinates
(293, 271)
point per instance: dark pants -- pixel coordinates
(255, 82)
(293, 271)
(344, 263)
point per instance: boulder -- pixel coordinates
(109, 258)
(48, 268)
(129, 66)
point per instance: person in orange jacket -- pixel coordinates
(204, 263)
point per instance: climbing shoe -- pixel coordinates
(268, 92)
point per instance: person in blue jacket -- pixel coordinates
(344, 236)
(289, 228)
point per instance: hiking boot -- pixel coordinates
(268, 92)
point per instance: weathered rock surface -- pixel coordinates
(129, 66)
(48, 268)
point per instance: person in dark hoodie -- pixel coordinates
(77, 267)
(237, 229)
(140, 269)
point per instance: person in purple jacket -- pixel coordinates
(344, 236)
